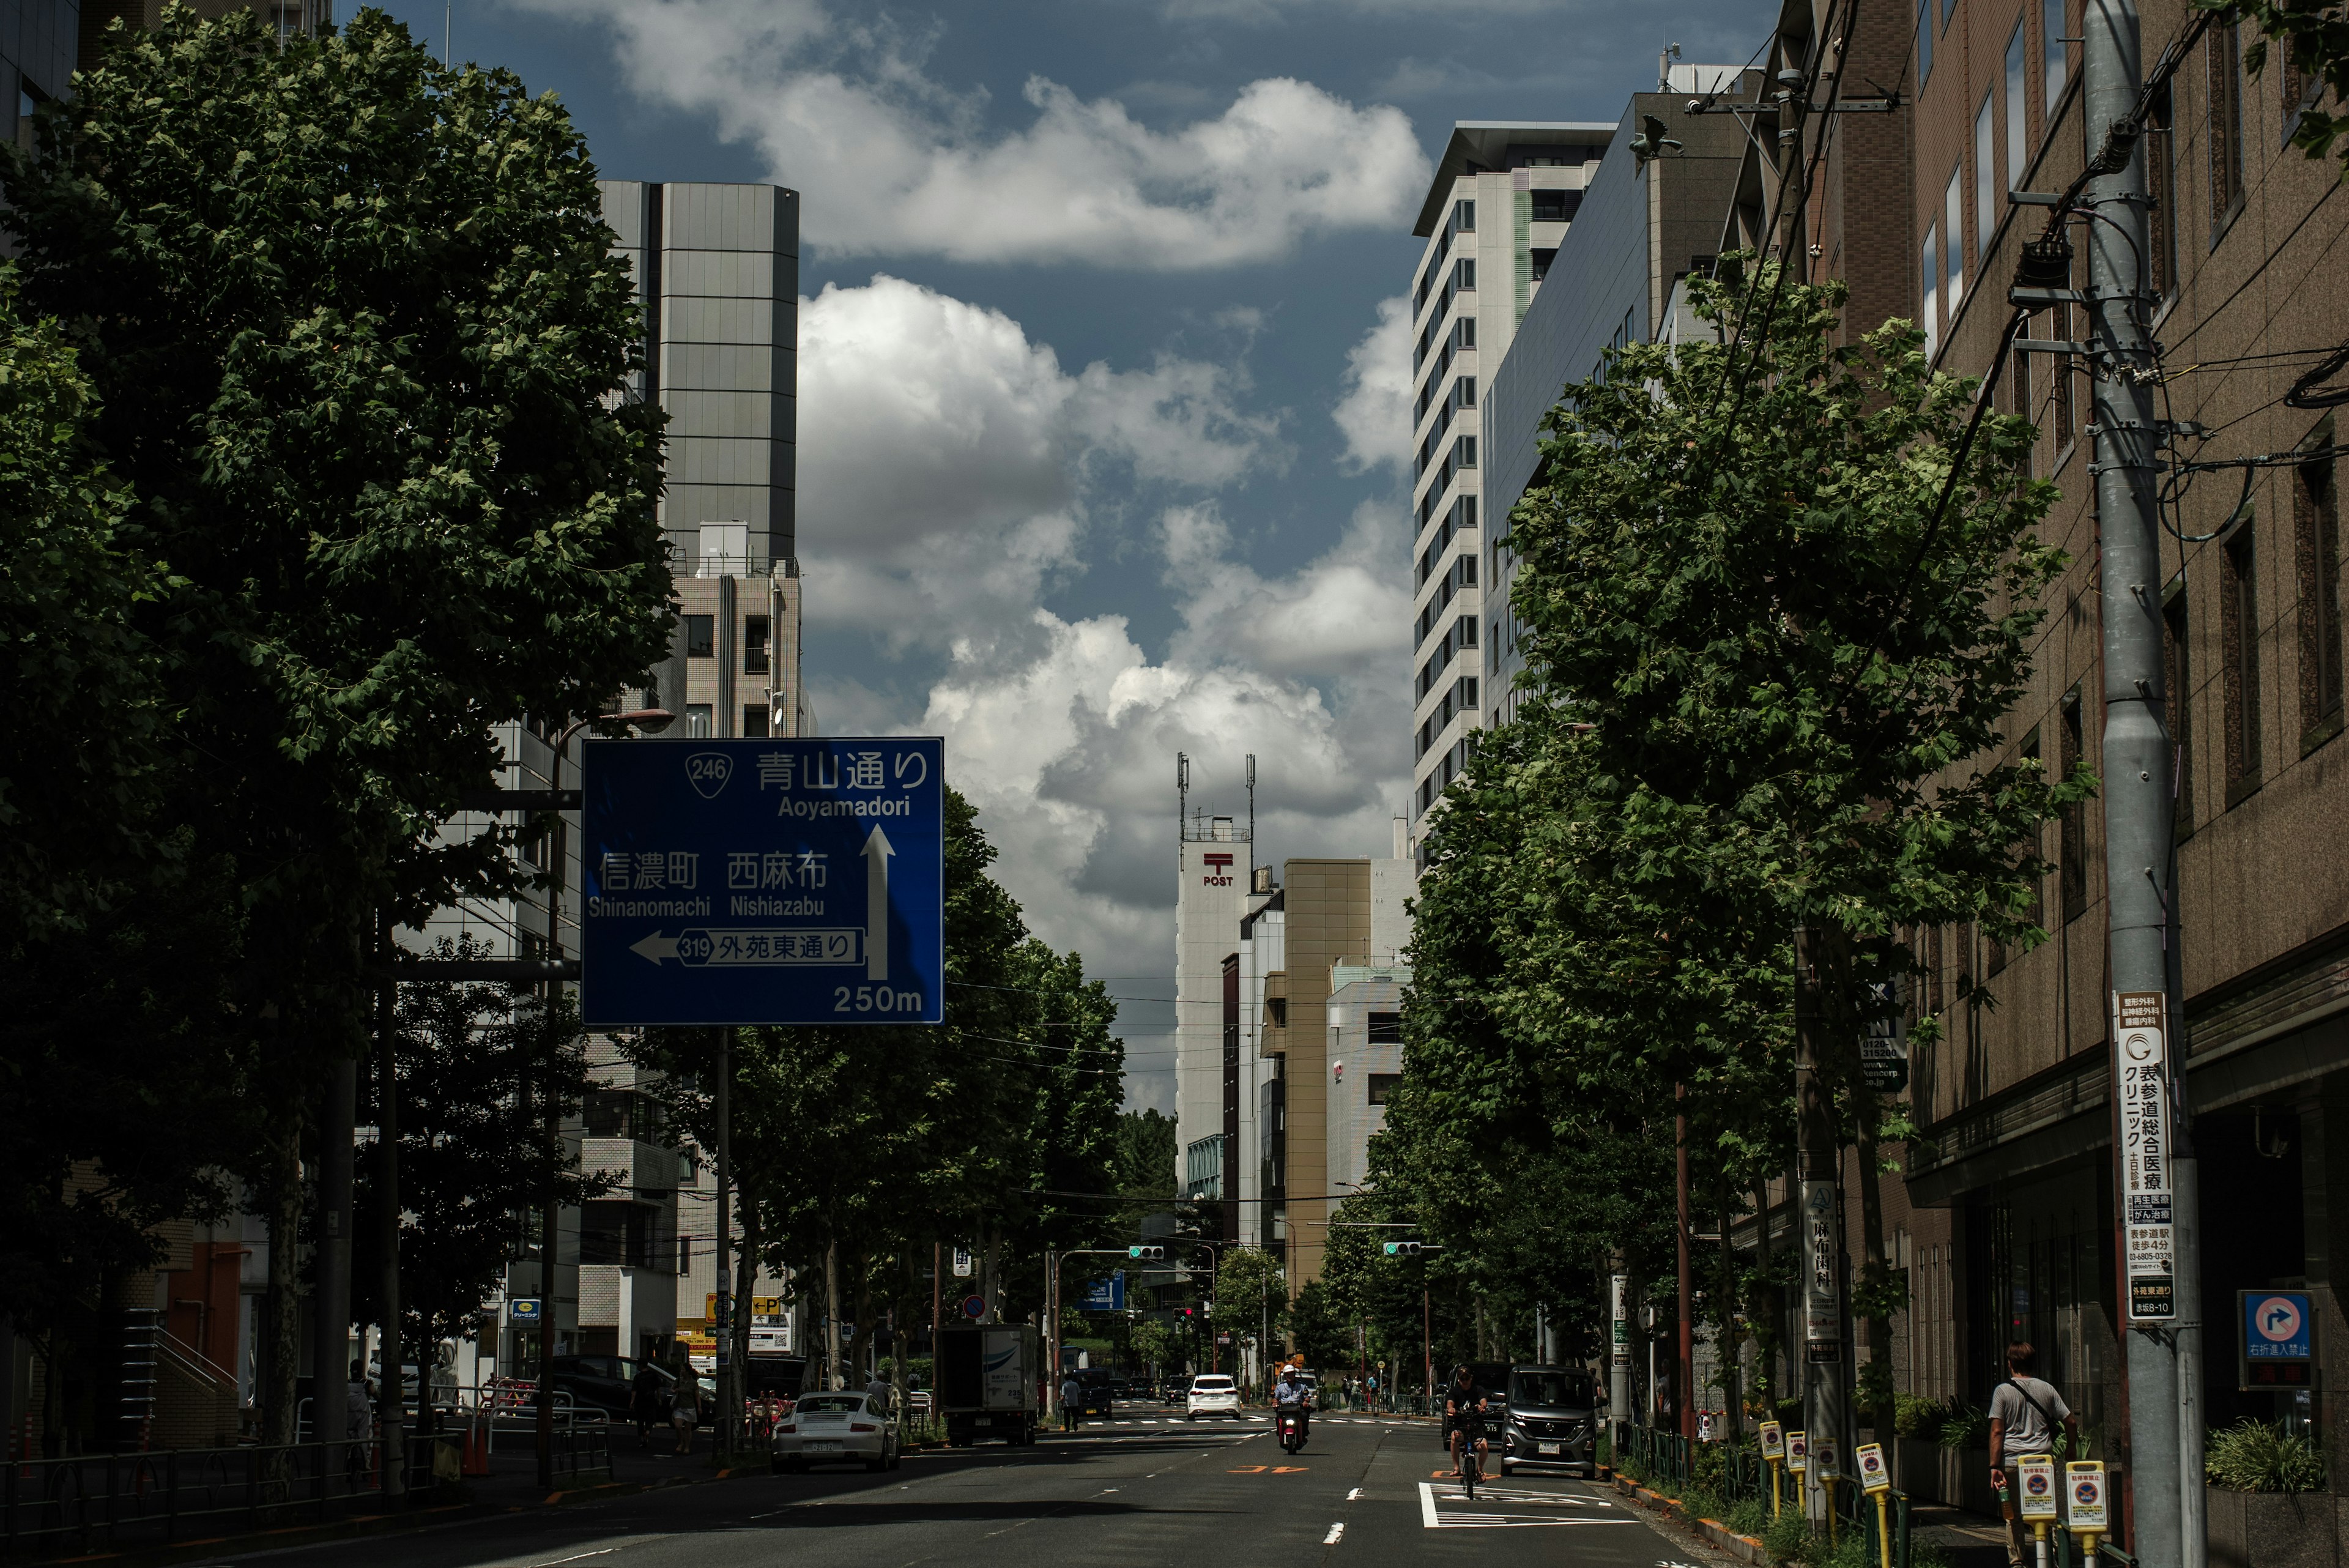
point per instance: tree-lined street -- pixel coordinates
(1140, 1489)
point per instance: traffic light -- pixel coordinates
(1402, 1249)
(1147, 1254)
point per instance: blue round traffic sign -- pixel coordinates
(974, 1306)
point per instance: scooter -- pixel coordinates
(1291, 1425)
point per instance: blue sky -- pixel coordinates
(1103, 377)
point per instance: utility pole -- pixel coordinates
(391, 1409)
(1822, 970)
(1618, 1359)
(331, 1328)
(2139, 759)
(729, 1404)
(1684, 1369)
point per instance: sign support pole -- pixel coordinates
(729, 1407)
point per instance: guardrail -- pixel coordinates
(131, 1499)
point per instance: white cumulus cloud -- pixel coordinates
(890, 159)
(954, 476)
(1374, 411)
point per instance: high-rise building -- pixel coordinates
(1501, 200)
(1217, 873)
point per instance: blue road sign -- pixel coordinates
(2276, 1325)
(774, 881)
(1104, 1296)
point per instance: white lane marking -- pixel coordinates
(1428, 1518)
(1355, 1495)
(1336, 1531)
(581, 1557)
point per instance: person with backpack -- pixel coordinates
(2025, 1414)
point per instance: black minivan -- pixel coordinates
(1551, 1420)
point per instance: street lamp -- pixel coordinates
(652, 721)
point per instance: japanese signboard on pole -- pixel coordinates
(2141, 1035)
(1821, 1298)
(762, 881)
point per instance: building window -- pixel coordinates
(2239, 638)
(1464, 217)
(754, 721)
(1555, 206)
(1924, 40)
(2316, 529)
(754, 644)
(1543, 256)
(2162, 180)
(696, 721)
(2059, 385)
(2055, 57)
(1383, 1084)
(1928, 316)
(1386, 1028)
(2072, 870)
(1953, 229)
(2175, 679)
(700, 636)
(2226, 98)
(2018, 129)
(1986, 173)
(1277, 1008)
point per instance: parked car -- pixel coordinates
(1550, 1420)
(1175, 1389)
(606, 1384)
(1212, 1393)
(836, 1429)
(1096, 1396)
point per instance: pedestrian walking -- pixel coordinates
(1071, 1401)
(648, 1402)
(685, 1406)
(2025, 1413)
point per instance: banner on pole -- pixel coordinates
(2141, 1039)
(1822, 1302)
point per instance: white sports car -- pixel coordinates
(836, 1429)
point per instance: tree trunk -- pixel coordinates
(1769, 1311)
(1727, 1342)
(832, 1314)
(391, 1409)
(282, 1330)
(1875, 1290)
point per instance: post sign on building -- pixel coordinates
(2277, 1340)
(2141, 1038)
(762, 881)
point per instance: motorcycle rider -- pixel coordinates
(1291, 1393)
(1463, 1411)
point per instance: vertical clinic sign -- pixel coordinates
(2141, 1056)
(1822, 1301)
(1619, 1292)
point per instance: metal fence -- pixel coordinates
(91, 1501)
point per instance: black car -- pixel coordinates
(1551, 1420)
(606, 1383)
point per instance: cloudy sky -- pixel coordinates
(1103, 378)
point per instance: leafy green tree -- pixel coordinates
(477, 1068)
(118, 1097)
(2313, 41)
(362, 353)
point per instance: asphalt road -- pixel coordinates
(1138, 1491)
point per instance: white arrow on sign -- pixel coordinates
(877, 904)
(656, 948)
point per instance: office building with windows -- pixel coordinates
(1503, 197)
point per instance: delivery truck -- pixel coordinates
(986, 1377)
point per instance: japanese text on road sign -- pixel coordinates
(2141, 1037)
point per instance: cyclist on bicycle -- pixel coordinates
(1463, 1409)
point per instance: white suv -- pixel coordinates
(1213, 1396)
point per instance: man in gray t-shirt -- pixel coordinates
(2025, 1413)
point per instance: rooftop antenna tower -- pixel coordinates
(1181, 794)
(1251, 783)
